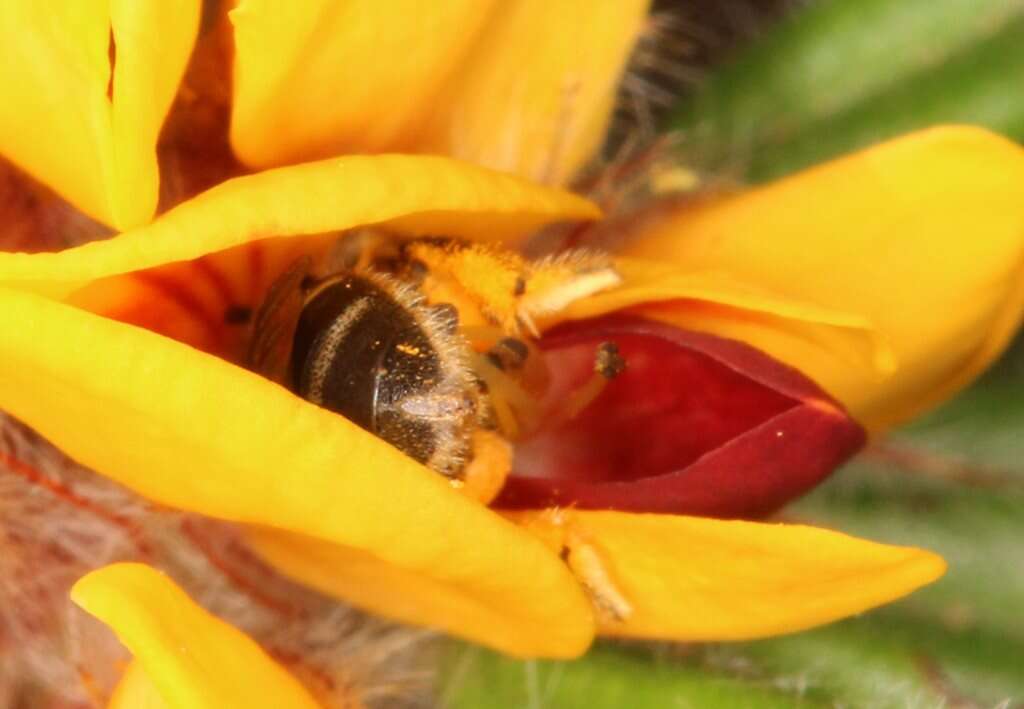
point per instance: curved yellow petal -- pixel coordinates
(84, 127)
(524, 86)
(191, 431)
(136, 690)
(318, 78)
(416, 194)
(922, 236)
(688, 578)
(385, 589)
(535, 93)
(192, 659)
(666, 290)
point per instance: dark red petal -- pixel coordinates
(697, 424)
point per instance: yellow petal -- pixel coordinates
(191, 431)
(535, 93)
(665, 290)
(687, 578)
(191, 658)
(922, 236)
(524, 86)
(186, 272)
(426, 195)
(136, 690)
(315, 78)
(68, 122)
(383, 588)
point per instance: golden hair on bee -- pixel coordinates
(420, 343)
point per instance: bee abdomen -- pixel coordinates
(360, 351)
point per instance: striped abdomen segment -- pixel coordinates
(368, 349)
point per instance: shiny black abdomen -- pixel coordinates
(359, 352)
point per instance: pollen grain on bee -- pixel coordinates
(411, 350)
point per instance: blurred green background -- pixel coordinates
(761, 90)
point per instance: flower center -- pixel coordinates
(671, 405)
(694, 424)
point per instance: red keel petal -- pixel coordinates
(697, 424)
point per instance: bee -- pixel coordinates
(422, 342)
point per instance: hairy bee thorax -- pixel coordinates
(427, 343)
(507, 290)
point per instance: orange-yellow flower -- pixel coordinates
(891, 277)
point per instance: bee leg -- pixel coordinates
(587, 565)
(484, 475)
(553, 284)
(513, 407)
